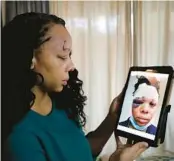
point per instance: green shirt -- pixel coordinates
(48, 138)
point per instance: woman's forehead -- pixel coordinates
(59, 37)
(147, 91)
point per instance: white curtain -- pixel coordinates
(108, 38)
(154, 33)
(154, 45)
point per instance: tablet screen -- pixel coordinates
(142, 103)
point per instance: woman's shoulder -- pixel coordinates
(21, 137)
(27, 124)
(24, 133)
(22, 145)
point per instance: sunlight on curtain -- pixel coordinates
(154, 31)
(153, 45)
(101, 36)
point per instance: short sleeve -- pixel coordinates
(24, 147)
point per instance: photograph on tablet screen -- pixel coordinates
(142, 104)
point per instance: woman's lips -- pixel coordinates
(65, 82)
(142, 120)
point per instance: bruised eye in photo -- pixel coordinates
(137, 102)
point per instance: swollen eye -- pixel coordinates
(137, 102)
(135, 105)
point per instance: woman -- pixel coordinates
(43, 98)
(144, 105)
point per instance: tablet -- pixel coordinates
(144, 100)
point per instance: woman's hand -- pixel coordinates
(115, 104)
(127, 152)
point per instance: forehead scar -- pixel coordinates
(65, 46)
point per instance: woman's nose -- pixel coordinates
(145, 108)
(71, 66)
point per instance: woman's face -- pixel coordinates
(53, 60)
(144, 104)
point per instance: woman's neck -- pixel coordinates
(42, 103)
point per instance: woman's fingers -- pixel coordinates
(141, 149)
(138, 148)
(126, 152)
(118, 141)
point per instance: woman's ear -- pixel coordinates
(33, 62)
